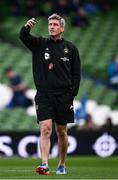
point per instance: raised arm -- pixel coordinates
(25, 36)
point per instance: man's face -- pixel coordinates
(10, 74)
(54, 27)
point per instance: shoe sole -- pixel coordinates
(41, 171)
(61, 173)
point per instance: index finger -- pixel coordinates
(33, 19)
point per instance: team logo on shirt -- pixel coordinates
(65, 50)
(47, 56)
(64, 59)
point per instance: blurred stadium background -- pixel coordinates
(92, 25)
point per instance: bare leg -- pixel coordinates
(62, 142)
(46, 130)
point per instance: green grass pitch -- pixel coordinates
(78, 168)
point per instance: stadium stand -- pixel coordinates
(95, 46)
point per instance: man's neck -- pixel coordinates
(55, 38)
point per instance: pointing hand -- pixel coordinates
(30, 23)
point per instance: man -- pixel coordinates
(18, 87)
(56, 71)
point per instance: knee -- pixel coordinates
(46, 131)
(61, 133)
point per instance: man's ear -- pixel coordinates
(62, 29)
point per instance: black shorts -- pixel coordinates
(55, 107)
